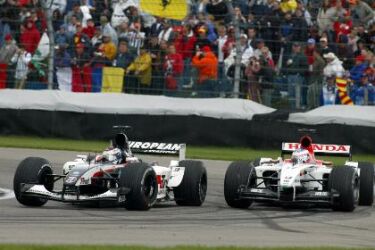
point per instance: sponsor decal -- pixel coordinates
(324, 148)
(71, 179)
(155, 147)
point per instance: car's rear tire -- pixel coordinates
(32, 170)
(193, 188)
(366, 184)
(344, 180)
(140, 178)
(238, 174)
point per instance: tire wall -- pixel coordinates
(193, 130)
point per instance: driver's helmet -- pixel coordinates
(300, 156)
(113, 155)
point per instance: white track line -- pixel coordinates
(6, 194)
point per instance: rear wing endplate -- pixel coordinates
(320, 149)
(159, 148)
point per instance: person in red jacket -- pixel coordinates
(30, 37)
(206, 63)
(173, 67)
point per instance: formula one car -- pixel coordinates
(115, 176)
(301, 179)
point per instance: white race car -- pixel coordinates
(115, 176)
(301, 179)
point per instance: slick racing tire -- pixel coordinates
(344, 180)
(140, 179)
(366, 184)
(237, 175)
(193, 188)
(32, 170)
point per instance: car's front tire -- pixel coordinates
(140, 178)
(238, 174)
(344, 180)
(366, 184)
(32, 170)
(193, 188)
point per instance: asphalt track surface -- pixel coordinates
(168, 224)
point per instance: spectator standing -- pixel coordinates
(157, 52)
(30, 37)
(62, 64)
(22, 59)
(173, 68)
(123, 58)
(358, 69)
(361, 12)
(89, 30)
(295, 68)
(323, 47)
(206, 63)
(81, 69)
(329, 93)
(334, 66)
(223, 83)
(80, 37)
(57, 20)
(315, 81)
(251, 88)
(188, 46)
(108, 48)
(108, 29)
(7, 52)
(136, 37)
(364, 94)
(139, 73)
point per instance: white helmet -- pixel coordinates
(113, 155)
(300, 156)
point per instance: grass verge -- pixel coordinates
(193, 152)
(103, 247)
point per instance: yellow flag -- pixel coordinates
(171, 9)
(112, 79)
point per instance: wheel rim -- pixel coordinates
(149, 187)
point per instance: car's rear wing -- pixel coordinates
(158, 148)
(320, 149)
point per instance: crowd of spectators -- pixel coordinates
(294, 49)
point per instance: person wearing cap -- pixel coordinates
(358, 69)
(139, 73)
(364, 93)
(7, 51)
(206, 63)
(334, 66)
(202, 39)
(295, 68)
(323, 47)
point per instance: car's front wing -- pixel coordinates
(264, 194)
(41, 192)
